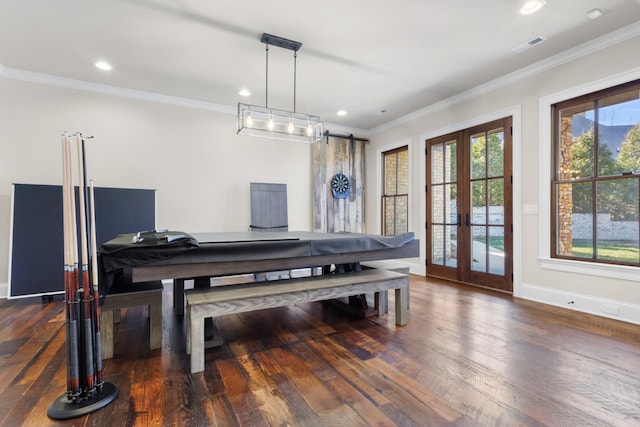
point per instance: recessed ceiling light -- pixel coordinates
(244, 92)
(594, 13)
(103, 65)
(531, 6)
(341, 113)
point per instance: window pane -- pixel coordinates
(403, 172)
(389, 216)
(496, 153)
(390, 174)
(402, 214)
(617, 220)
(478, 156)
(437, 163)
(574, 224)
(575, 149)
(619, 117)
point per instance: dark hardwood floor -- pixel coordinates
(468, 357)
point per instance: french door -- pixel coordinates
(469, 206)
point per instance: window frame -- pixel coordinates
(593, 99)
(384, 196)
(544, 209)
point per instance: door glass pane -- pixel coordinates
(437, 204)
(451, 161)
(496, 153)
(479, 249)
(437, 163)
(496, 250)
(437, 245)
(451, 246)
(478, 202)
(617, 220)
(496, 201)
(451, 193)
(478, 149)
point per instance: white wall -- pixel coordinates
(614, 292)
(200, 168)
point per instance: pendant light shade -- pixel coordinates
(271, 123)
(266, 122)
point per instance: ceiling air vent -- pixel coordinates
(524, 46)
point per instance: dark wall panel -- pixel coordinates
(37, 263)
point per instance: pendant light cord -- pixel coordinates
(266, 91)
(295, 60)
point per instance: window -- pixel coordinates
(395, 198)
(596, 177)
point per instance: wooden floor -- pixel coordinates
(467, 358)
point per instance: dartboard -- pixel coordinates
(340, 186)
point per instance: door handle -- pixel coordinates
(466, 220)
(459, 220)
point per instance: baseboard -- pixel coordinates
(417, 269)
(611, 309)
(414, 268)
(4, 290)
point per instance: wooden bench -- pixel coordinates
(131, 295)
(382, 299)
(216, 301)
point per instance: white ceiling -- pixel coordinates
(357, 55)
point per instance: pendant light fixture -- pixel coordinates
(266, 122)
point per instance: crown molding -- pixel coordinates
(572, 54)
(51, 80)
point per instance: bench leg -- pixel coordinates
(382, 302)
(195, 343)
(155, 326)
(178, 296)
(402, 296)
(106, 332)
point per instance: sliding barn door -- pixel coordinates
(331, 157)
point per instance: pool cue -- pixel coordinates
(71, 276)
(83, 271)
(67, 270)
(96, 292)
